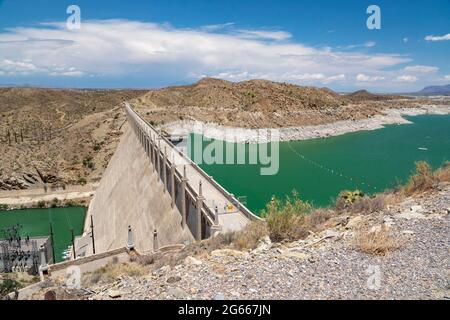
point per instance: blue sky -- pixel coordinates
(143, 44)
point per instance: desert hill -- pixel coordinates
(257, 103)
(57, 136)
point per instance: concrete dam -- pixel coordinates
(152, 195)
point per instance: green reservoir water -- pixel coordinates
(36, 222)
(320, 168)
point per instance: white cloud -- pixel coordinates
(120, 48)
(288, 76)
(262, 34)
(25, 67)
(407, 78)
(405, 40)
(447, 77)
(368, 44)
(421, 69)
(365, 78)
(438, 38)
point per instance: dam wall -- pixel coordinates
(152, 195)
(131, 195)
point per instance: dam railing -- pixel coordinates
(208, 218)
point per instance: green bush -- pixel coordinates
(97, 146)
(41, 204)
(347, 198)
(285, 219)
(7, 286)
(82, 181)
(55, 203)
(88, 163)
(4, 206)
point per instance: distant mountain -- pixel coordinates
(434, 91)
(364, 95)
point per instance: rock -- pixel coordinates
(296, 255)
(408, 215)
(331, 234)
(264, 244)
(173, 279)
(227, 253)
(177, 293)
(192, 261)
(408, 232)
(114, 294)
(311, 260)
(416, 209)
(162, 271)
(388, 221)
(353, 222)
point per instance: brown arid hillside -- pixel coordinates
(257, 103)
(57, 137)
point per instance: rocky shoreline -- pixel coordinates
(241, 135)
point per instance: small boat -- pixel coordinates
(423, 149)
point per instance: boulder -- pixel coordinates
(114, 294)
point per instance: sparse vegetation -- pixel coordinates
(41, 204)
(55, 203)
(378, 241)
(3, 207)
(82, 181)
(7, 286)
(113, 270)
(423, 179)
(249, 237)
(88, 162)
(97, 146)
(443, 173)
(347, 198)
(285, 219)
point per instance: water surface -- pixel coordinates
(320, 168)
(36, 222)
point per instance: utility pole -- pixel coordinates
(53, 243)
(73, 245)
(92, 234)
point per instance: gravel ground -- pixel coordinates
(333, 269)
(325, 266)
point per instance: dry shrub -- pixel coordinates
(176, 257)
(143, 260)
(393, 198)
(368, 205)
(443, 174)
(112, 271)
(317, 219)
(248, 237)
(285, 219)
(422, 180)
(379, 241)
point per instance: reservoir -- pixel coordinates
(319, 169)
(36, 222)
